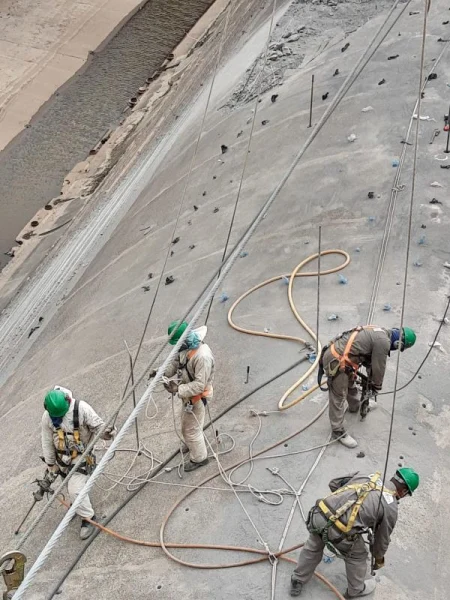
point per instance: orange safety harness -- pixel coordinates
(344, 360)
(207, 391)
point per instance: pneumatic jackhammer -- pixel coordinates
(44, 488)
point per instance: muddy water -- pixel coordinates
(33, 166)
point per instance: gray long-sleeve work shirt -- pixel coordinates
(197, 372)
(370, 348)
(381, 522)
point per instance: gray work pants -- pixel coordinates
(341, 388)
(355, 561)
(192, 430)
(74, 486)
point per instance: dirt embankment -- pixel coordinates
(81, 112)
(152, 111)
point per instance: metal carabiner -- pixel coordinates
(13, 571)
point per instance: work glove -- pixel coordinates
(53, 468)
(152, 374)
(171, 386)
(379, 563)
(110, 433)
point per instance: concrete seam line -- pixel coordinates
(111, 421)
(256, 221)
(227, 267)
(158, 469)
(408, 244)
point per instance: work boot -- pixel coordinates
(87, 529)
(345, 439)
(191, 465)
(296, 587)
(372, 406)
(369, 588)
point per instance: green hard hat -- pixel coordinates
(55, 403)
(409, 337)
(176, 330)
(410, 477)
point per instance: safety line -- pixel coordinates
(396, 188)
(345, 87)
(246, 236)
(227, 267)
(183, 196)
(297, 272)
(408, 247)
(213, 476)
(441, 323)
(319, 273)
(158, 471)
(247, 152)
(245, 549)
(292, 511)
(112, 420)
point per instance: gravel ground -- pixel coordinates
(306, 29)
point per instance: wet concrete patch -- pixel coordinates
(34, 164)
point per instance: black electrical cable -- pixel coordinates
(405, 279)
(158, 469)
(442, 322)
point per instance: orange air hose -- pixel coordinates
(282, 405)
(264, 557)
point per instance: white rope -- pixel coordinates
(126, 395)
(291, 514)
(227, 480)
(228, 264)
(396, 188)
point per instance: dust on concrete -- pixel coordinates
(82, 344)
(307, 29)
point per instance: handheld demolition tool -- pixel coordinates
(44, 488)
(366, 394)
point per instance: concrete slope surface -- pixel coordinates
(82, 345)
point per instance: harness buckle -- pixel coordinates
(13, 572)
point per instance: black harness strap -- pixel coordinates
(76, 415)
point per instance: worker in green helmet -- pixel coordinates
(339, 521)
(67, 427)
(194, 368)
(340, 360)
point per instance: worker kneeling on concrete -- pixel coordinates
(194, 365)
(340, 360)
(68, 426)
(339, 521)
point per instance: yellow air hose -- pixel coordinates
(282, 405)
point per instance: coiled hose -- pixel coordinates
(283, 404)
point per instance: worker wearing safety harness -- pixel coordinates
(340, 360)
(339, 521)
(67, 428)
(194, 366)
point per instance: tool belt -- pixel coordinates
(70, 446)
